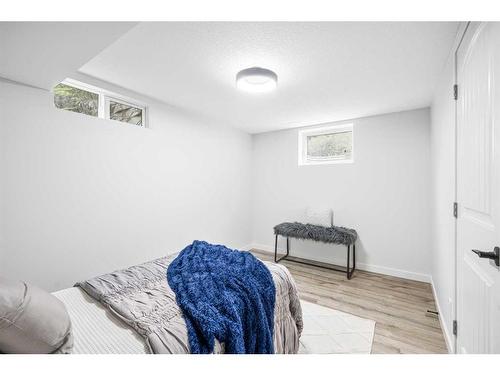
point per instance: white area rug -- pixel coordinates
(328, 331)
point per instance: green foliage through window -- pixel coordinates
(76, 100)
(329, 146)
(125, 113)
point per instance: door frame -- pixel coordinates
(461, 32)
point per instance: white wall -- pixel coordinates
(83, 196)
(443, 195)
(384, 194)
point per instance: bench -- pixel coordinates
(333, 235)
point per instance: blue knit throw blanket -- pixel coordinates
(224, 294)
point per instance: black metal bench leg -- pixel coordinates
(276, 249)
(350, 271)
(276, 259)
(353, 257)
(348, 262)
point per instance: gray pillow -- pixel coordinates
(32, 320)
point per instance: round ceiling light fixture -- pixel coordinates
(256, 80)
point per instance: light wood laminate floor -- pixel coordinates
(398, 306)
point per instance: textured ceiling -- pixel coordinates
(326, 71)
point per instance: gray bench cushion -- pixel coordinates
(338, 235)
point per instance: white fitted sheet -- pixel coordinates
(95, 329)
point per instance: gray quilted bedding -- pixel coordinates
(141, 297)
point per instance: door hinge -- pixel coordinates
(455, 209)
(455, 327)
(455, 92)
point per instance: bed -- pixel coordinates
(95, 329)
(133, 311)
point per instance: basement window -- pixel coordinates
(326, 145)
(73, 99)
(79, 97)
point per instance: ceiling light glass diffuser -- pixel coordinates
(256, 80)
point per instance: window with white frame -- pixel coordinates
(326, 145)
(75, 96)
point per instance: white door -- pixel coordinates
(478, 188)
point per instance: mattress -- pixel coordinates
(95, 329)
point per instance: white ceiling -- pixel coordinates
(42, 54)
(326, 71)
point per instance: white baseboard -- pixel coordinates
(246, 247)
(362, 266)
(444, 328)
